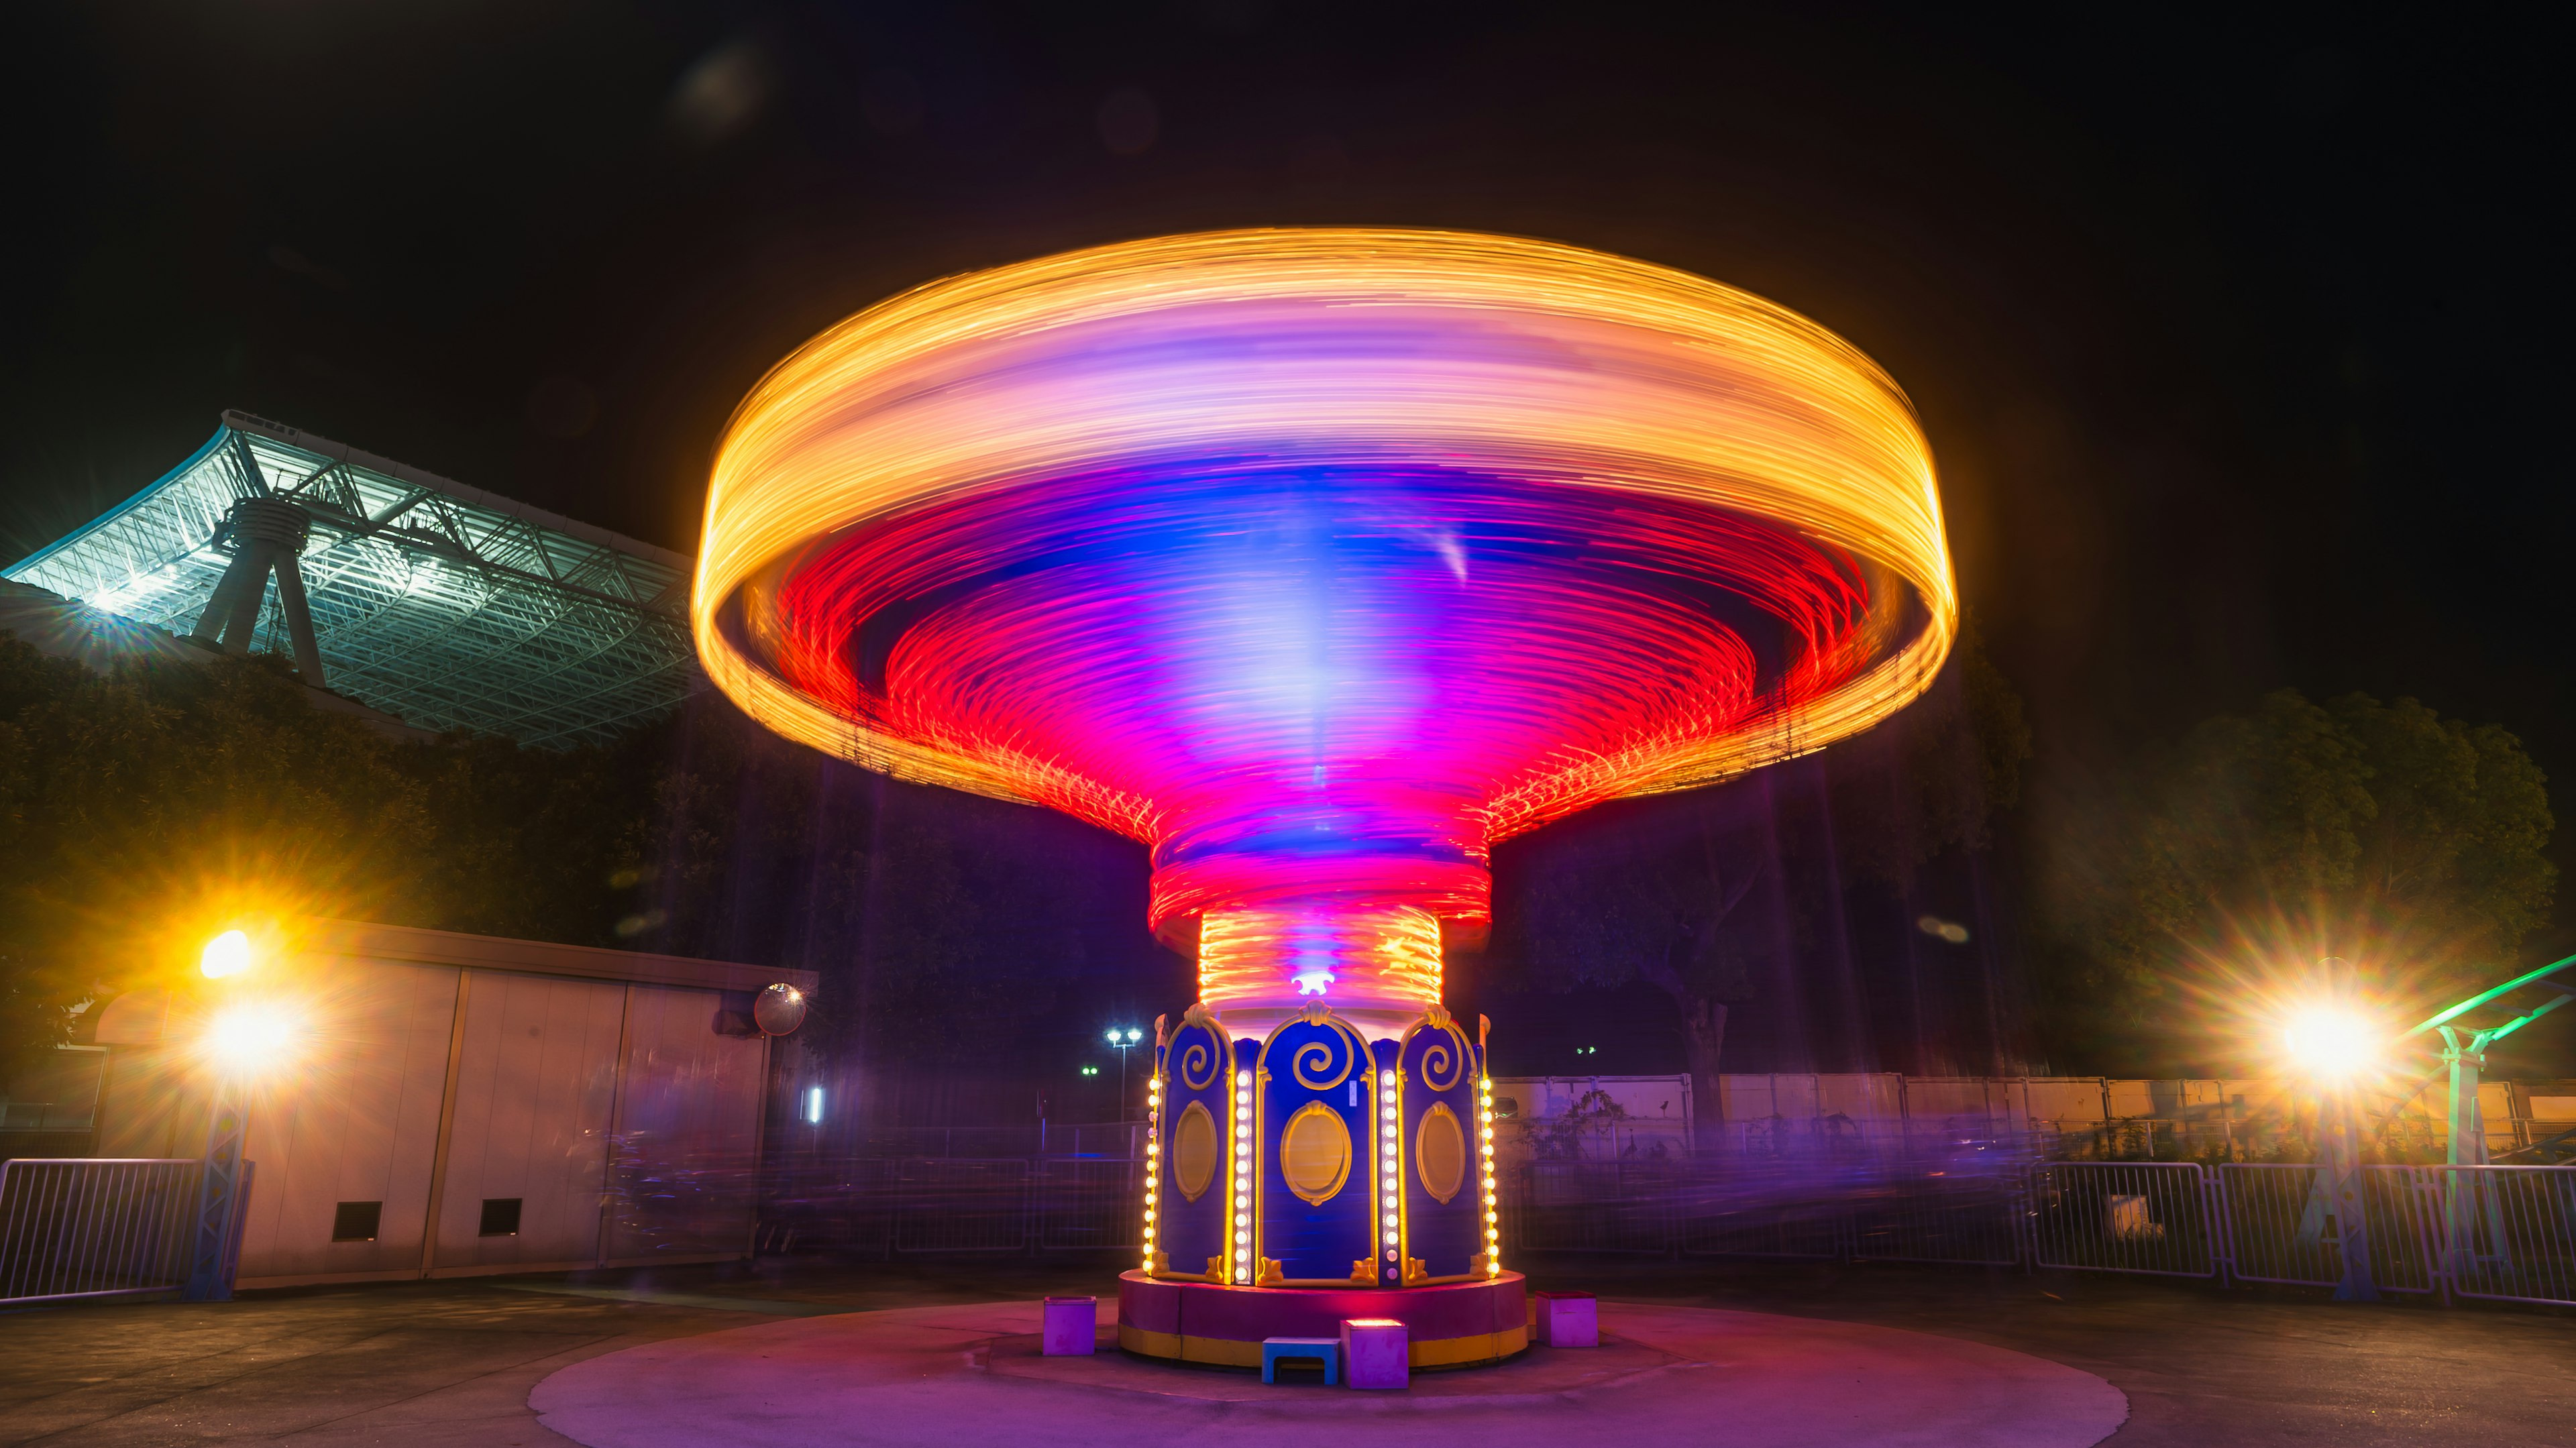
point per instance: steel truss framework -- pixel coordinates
(436, 602)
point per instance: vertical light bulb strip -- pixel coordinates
(1153, 1159)
(1485, 1157)
(1390, 1126)
(1244, 1155)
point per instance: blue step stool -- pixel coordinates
(1326, 1350)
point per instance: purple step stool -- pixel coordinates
(1376, 1353)
(1568, 1319)
(1071, 1325)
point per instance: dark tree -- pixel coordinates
(1705, 898)
(140, 808)
(2380, 833)
(145, 808)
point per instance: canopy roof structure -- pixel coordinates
(445, 605)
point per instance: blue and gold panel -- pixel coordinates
(1313, 1187)
(1442, 1202)
(1187, 1205)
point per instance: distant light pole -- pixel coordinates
(2336, 1045)
(244, 1039)
(1122, 1040)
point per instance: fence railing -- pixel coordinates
(91, 1227)
(2505, 1233)
(935, 1205)
(1869, 1214)
(2148, 1217)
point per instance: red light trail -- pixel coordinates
(1320, 561)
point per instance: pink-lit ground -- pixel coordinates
(950, 1376)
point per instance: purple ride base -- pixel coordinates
(1455, 1325)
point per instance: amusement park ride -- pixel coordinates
(1320, 561)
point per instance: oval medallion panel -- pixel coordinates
(1315, 1153)
(1440, 1152)
(1194, 1151)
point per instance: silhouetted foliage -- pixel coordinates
(2384, 834)
(139, 805)
(145, 808)
(1707, 896)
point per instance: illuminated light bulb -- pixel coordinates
(1391, 1220)
(251, 1037)
(1392, 1239)
(2333, 1042)
(227, 954)
(1386, 1078)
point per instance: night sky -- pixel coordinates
(2235, 339)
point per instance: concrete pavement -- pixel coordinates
(451, 1363)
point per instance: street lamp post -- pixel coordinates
(1122, 1040)
(2336, 1045)
(219, 1190)
(219, 1197)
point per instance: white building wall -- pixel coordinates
(354, 1119)
(536, 1089)
(591, 1085)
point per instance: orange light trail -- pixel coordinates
(1322, 560)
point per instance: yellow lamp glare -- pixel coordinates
(251, 1037)
(2332, 1043)
(226, 954)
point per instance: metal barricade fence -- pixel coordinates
(959, 1204)
(2402, 1208)
(1889, 1213)
(1590, 1206)
(2146, 1217)
(1941, 1218)
(1090, 1203)
(96, 1227)
(1714, 1225)
(2265, 1205)
(2279, 1231)
(2506, 1233)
